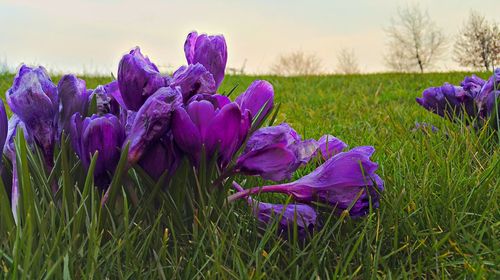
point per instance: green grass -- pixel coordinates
(439, 214)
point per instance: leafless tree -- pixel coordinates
(297, 64)
(347, 62)
(415, 43)
(478, 43)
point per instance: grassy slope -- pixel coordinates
(439, 215)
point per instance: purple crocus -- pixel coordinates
(258, 98)
(485, 99)
(33, 98)
(330, 145)
(346, 181)
(73, 98)
(106, 102)
(103, 134)
(152, 121)
(161, 155)
(138, 78)
(201, 124)
(448, 101)
(210, 51)
(275, 152)
(217, 100)
(3, 127)
(302, 216)
(472, 85)
(193, 79)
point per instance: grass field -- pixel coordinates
(439, 214)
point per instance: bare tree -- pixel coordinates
(297, 64)
(478, 43)
(414, 41)
(347, 62)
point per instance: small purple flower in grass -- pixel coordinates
(33, 98)
(210, 51)
(425, 127)
(275, 152)
(219, 131)
(448, 101)
(73, 98)
(138, 78)
(303, 216)
(161, 155)
(98, 133)
(259, 97)
(346, 181)
(193, 79)
(330, 145)
(152, 121)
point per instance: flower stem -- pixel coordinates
(256, 190)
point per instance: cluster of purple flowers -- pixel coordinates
(164, 118)
(475, 100)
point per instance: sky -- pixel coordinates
(90, 36)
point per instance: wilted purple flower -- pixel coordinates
(138, 78)
(473, 85)
(275, 152)
(210, 51)
(486, 97)
(193, 79)
(218, 130)
(347, 179)
(448, 100)
(152, 121)
(330, 145)
(73, 98)
(97, 133)
(259, 97)
(302, 216)
(160, 156)
(33, 97)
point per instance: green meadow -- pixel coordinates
(438, 216)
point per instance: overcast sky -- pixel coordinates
(92, 35)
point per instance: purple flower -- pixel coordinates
(330, 145)
(14, 123)
(275, 152)
(160, 156)
(217, 100)
(33, 98)
(259, 96)
(73, 98)
(97, 133)
(138, 78)
(193, 79)
(472, 85)
(345, 181)
(425, 127)
(448, 100)
(218, 130)
(210, 51)
(106, 102)
(486, 98)
(4, 127)
(152, 120)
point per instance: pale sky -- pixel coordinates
(92, 35)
